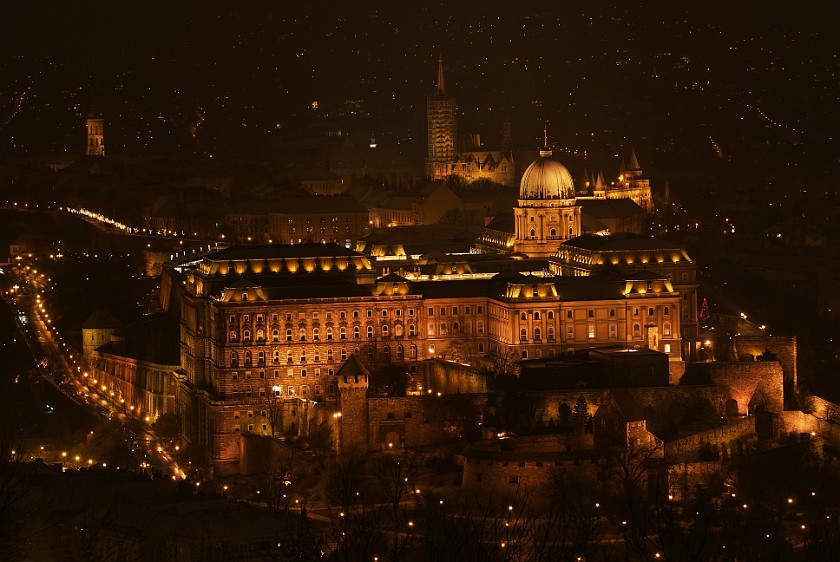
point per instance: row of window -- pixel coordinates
(316, 355)
(441, 311)
(590, 313)
(259, 318)
(455, 310)
(591, 332)
(385, 331)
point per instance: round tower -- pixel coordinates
(352, 416)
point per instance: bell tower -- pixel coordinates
(95, 136)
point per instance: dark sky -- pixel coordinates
(659, 74)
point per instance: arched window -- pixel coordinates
(234, 359)
(329, 333)
(343, 354)
(355, 332)
(524, 354)
(398, 330)
(316, 355)
(386, 352)
(666, 311)
(260, 334)
(412, 351)
(302, 334)
(537, 334)
(329, 355)
(523, 316)
(316, 334)
(276, 356)
(552, 232)
(247, 358)
(537, 315)
(551, 315)
(246, 335)
(342, 333)
(650, 311)
(289, 356)
(550, 333)
(411, 330)
(275, 335)
(261, 357)
(637, 331)
(384, 330)
(288, 334)
(370, 332)
(532, 233)
(400, 353)
(666, 328)
(523, 334)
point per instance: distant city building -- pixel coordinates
(95, 136)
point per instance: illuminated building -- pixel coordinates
(547, 213)
(629, 185)
(444, 158)
(95, 136)
(265, 329)
(441, 113)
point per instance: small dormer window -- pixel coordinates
(244, 296)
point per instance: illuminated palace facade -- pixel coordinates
(262, 326)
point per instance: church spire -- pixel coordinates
(441, 89)
(634, 162)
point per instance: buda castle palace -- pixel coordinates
(267, 327)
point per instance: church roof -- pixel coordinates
(634, 162)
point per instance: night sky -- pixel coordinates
(677, 82)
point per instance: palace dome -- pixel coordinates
(546, 179)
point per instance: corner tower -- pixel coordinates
(95, 136)
(547, 213)
(441, 114)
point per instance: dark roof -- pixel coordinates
(611, 208)
(313, 250)
(627, 404)
(100, 319)
(621, 241)
(392, 278)
(352, 368)
(153, 339)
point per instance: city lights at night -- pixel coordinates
(419, 282)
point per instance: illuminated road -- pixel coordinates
(63, 374)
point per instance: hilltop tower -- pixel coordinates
(95, 136)
(547, 213)
(352, 416)
(441, 113)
